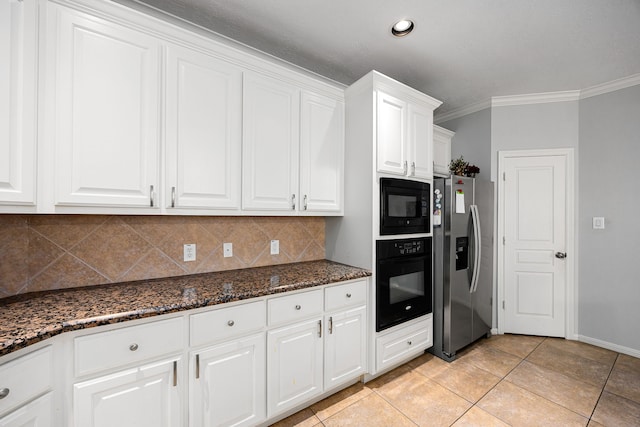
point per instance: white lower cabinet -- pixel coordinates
(294, 365)
(403, 343)
(145, 396)
(227, 386)
(38, 413)
(248, 362)
(345, 346)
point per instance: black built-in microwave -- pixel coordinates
(404, 206)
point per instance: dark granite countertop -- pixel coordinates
(31, 318)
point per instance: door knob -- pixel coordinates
(561, 255)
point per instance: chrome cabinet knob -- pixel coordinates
(4, 393)
(298, 307)
(133, 347)
(561, 255)
(409, 342)
(348, 295)
(231, 323)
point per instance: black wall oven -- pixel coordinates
(404, 206)
(403, 280)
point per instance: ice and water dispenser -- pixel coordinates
(462, 253)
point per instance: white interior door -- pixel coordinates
(534, 196)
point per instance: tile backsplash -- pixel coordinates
(44, 252)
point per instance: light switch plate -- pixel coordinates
(275, 247)
(598, 223)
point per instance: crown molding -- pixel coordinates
(539, 98)
(462, 111)
(611, 86)
(535, 98)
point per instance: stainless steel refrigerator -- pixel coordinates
(463, 263)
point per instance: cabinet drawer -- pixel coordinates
(392, 348)
(294, 307)
(106, 350)
(26, 377)
(347, 295)
(218, 325)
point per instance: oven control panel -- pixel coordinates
(403, 247)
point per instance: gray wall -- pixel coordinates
(534, 126)
(604, 130)
(609, 282)
(472, 140)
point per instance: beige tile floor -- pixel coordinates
(506, 380)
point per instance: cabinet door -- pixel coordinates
(294, 365)
(420, 142)
(38, 413)
(18, 23)
(441, 150)
(321, 153)
(204, 131)
(106, 84)
(146, 396)
(391, 134)
(228, 384)
(345, 346)
(271, 122)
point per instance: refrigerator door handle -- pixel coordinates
(475, 218)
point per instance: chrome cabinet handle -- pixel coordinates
(197, 366)
(319, 328)
(330, 325)
(173, 197)
(175, 373)
(405, 167)
(231, 323)
(152, 196)
(4, 393)
(413, 168)
(298, 306)
(305, 202)
(293, 202)
(133, 347)
(561, 255)
(348, 295)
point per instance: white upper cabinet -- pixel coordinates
(18, 37)
(441, 150)
(321, 153)
(143, 117)
(404, 129)
(420, 141)
(392, 134)
(204, 131)
(271, 126)
(106, 121)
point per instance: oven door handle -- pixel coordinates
(475, 218)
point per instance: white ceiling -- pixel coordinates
(461, 51)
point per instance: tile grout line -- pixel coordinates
(522, 359)
(603, 387)
(557, 404)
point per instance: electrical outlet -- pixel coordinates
(227, 249)
(275, 247)
(190, 252)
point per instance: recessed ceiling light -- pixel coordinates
(402, 28)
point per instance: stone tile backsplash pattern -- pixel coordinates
(45, 252)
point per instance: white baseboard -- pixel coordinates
(609, 346)
(494, 331)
